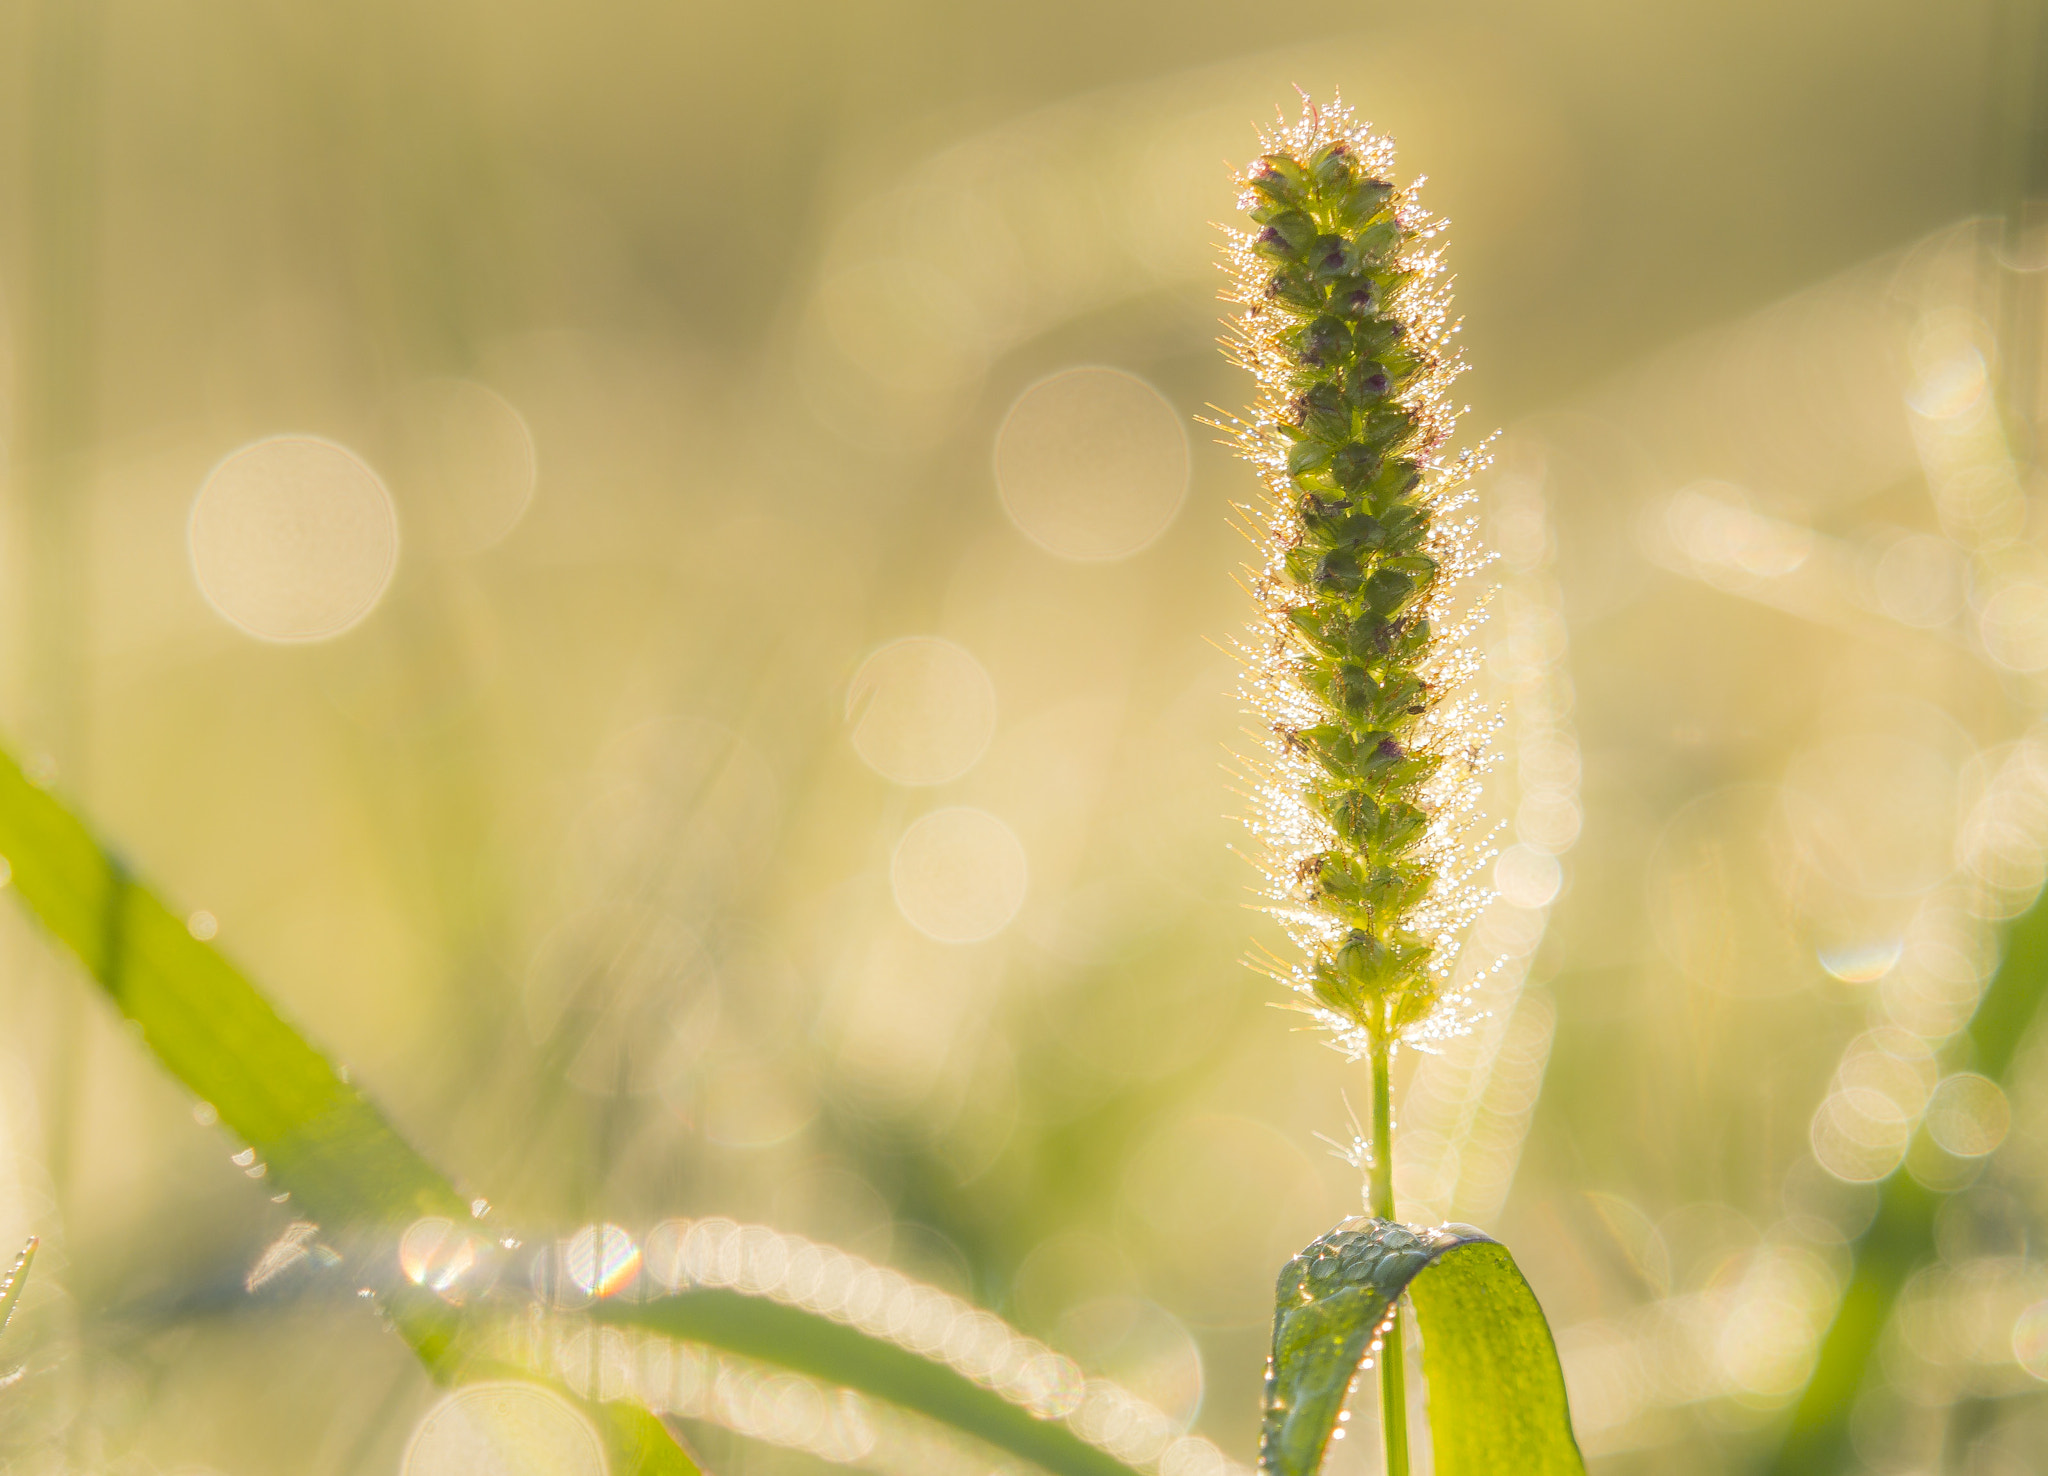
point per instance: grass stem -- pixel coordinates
(1393, 1384)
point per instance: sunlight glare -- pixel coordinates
(959, 875)
(293, 539)
(922, 710)
(465, 465)
(601, 1259)
(1092, 463)
(503, 1430)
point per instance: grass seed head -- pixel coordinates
(1366, 781)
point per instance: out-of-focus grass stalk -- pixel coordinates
(2018, 189)
(56, 376)
(55, 416)
(56, 369)
(1900, 1237)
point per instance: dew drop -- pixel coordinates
(602, 1260)
(434, 1254)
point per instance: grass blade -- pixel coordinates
(806, 1343)
(1496, 1392)
(1900, 1238)
(318, 1137)
(341, 1161)
(346, 1166)
(17, 1276)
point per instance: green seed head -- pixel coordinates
(1365, 786)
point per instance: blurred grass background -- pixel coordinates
(684, 340)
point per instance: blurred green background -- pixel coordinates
(753, 735)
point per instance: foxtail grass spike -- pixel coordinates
(1364, 789)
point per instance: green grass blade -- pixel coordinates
(1900, 1238)
(318, 1137)
(1496, 1392)
(17, 1276)
(346, 1166)
(450, 1343)
(803, 1342)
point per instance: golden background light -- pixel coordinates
(922, 710)
(464, 464)
(504, 1430)
(959, 875)
(689, 499)
(1092, 463)
(293, 538)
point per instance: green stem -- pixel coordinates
(1393, 1386)
(1900, 1239)
(1382, 1185)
